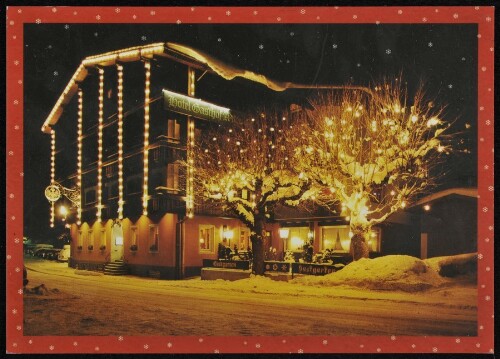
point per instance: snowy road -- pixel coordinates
(85, 304)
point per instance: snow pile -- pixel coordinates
(393, 272)
(452, 266)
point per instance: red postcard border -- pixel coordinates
(17, 16)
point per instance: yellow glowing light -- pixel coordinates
(440, 148)
(433, 121)
(393, 193)
(427, 207)
(403, 204)
(297, 242)
(414, 118)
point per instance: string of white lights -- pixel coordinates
(120, 141)
(79, 155)
(52, 172)
(145, 196)
(99, 144)
(190, 153)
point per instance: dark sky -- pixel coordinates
(444, 57)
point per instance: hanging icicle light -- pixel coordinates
(99, 144)
(79, 159)
(52, 172)
(120, 141)
(190, 154)
(147, 67)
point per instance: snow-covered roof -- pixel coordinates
(178, 52)
(466, 192)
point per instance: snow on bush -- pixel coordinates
(452, 266)
(392, 272)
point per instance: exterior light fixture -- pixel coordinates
(228, 234)
(284, 233)
(63, 211)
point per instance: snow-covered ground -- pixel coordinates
(415, 300)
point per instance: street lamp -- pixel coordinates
(284, 232)
(63, 211)
(228, 234)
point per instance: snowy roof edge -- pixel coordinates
(195, 57)
(461, 191)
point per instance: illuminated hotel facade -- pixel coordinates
(119, 131)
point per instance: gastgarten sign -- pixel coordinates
(194, 107)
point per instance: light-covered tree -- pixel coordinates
(247, 167)
(371, 155)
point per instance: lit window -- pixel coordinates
(374, 240)
(335, 238)
(297, 238)
(174, 130)
(244, 242)
(206, 240)
(173, 176)
(154, 238)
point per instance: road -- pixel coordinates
(83, 303)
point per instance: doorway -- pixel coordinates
(116, 242)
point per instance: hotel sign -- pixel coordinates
(226, 264)
(194, 107)
(312, 269)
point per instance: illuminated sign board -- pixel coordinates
(194, 107)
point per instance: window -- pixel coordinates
(112, 189)
(244, 194)
(134, 184)
(91, 240)
(244, 242)
(80, 239)
(296, 238)
(173, 130)
(103, 237)
(173, 176)
(133, 239)
(206, 240)
(374, 240)
(153, 238)
(90, 195)
(336, 238)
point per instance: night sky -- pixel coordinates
(443, 57)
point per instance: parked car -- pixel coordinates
(41, 252)
(52, 254)
(38, 247)
(64, 254)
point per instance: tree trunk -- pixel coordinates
(258, 246)
(359, 247)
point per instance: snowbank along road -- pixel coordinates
(89, 303)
